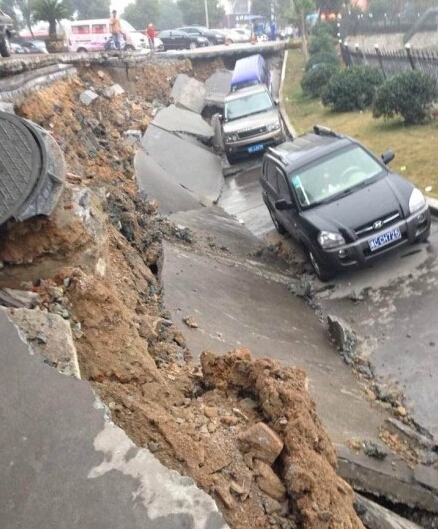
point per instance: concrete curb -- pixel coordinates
(291, 131)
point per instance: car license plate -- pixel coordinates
(384, 239)
(255, 148)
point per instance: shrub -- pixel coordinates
(408, 93)
(323, 57)
(321, 43)
(322, 27)
(352, 88)
(315, 80)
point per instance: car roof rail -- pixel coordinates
(276, 153)
(320, 130)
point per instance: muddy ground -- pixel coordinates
(102, 272)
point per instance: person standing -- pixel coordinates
(115, 28)
(150, 32)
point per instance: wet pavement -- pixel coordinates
(397, 314)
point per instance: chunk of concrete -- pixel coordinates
(189, 93)
(176, 119)
(217, 86)
(49, 335)
(112, 91)
(11, 297)
(63, 464)
(7, 107)
(157, 184)
(390, 478)
(374, 516)
(87, 97)
(194, 168)
(262, 442)
(131, 137)
(341, 333)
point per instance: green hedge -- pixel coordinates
(323, 57)
(315, 80)
(352, 88)
(408, 94)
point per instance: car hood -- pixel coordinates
(251, 122)
(363, 206)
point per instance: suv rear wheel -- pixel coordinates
(323, 272)
(5, 45)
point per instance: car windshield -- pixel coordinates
(333, 176)
(245, 106)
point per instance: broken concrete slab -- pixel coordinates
(11, 297)
(176, 119)
(87, 97)
(194, 168)
(188, 93)
(112, 91)
(217, 86)
(374, 516)
(390, 478)
(427, 476)
(341, 333)
(157, 184)
(50, 336)
(64, 465)
(132, 137)
(412, 438)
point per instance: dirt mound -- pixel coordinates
(97, 261)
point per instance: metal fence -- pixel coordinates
(392, 62)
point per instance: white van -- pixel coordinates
(91, 35)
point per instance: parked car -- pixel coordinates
(174, 39)
(16, 48)
(213, 36)
(232, 36)
(34, 46)
(251, 122)
(339, 201)
(6, 32)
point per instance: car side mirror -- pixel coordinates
(283, 204)
(387, 157)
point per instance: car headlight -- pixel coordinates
(416, 201)
(273, 126)
(228, 138)
(328, 239)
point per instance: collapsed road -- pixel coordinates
(223, 287)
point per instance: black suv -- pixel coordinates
(210, 34)
(6, 32)
(339, 201)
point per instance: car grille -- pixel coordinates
(252, 132)
(378, 224)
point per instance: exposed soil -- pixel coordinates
(107, 264)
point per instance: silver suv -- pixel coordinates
(251, 122)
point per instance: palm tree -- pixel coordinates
(50, 11)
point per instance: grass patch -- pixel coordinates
(416, 155)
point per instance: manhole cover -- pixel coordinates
(20, 164)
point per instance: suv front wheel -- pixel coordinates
(323, 272)
(278, 226)
(5, 45)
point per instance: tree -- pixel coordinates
(303, 8)
(86, 9)
(170, 16)
(141, 13)
(193, 12)
(51, 11)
